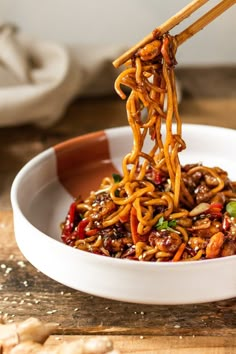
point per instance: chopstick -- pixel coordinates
(204, 20)
(165, 27)
(175, 20)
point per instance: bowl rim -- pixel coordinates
(36, 160)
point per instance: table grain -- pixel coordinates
(209, 97)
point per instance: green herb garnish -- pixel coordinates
(116, 178)
(166, 225)
(117, 193)
(231, 208)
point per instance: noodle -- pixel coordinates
(157, 210)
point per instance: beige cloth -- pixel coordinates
(38, 79)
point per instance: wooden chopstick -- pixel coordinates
(165, 27)
(175, 20)
(204, 20)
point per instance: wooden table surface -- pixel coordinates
(209, 97)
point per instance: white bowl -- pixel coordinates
(44, 188)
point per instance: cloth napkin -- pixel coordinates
(38, 79)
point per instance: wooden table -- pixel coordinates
(134, 328)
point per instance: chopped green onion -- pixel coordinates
(165, 224)
(172, 223)
(117, 178)
(117, 193)
(231, 208)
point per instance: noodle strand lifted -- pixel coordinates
(157, 210)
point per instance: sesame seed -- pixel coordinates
(7, 271)
(21, 264)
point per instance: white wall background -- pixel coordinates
(121, 22)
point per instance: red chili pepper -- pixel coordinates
(216, 205)
(80, 232)
(158, 177)
(70, 218)
(226, 223)
(91, 232)
(215, 209)
(124, 218)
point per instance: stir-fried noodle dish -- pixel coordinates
(157, 210)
